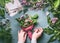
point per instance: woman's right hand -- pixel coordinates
(37, 33)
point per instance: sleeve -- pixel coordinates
(33, 41)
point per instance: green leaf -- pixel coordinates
(21, 23)
(2, 12)
(2, 3)
(5, 33)
(56, 4)
(34, 0)
(6, 1)
(34, 21)
(25, 10)
(48, 31)
(35, 16)
(28, 0)
(58, 38)
(49, 21)
(53, 38)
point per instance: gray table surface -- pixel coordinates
(42, 22)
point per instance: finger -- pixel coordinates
(25, 35)
(21, 30)
(40, 31)
(36, 30)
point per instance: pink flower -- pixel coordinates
(38, 4)
(54, 20)
(23, 2)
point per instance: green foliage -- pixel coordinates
(48, 18)
(54, 29)
(53, 38)
(5, 35)
(2, 2)
(2, 12)
(26, 21)
(2, 7)
(55, 32)
(54, 7)
(34, 0)
(21, 22)
(56, 4)
(34, 21)
(25, 10)
(5, 31)
(34, 18)
(28, 0)
(48, 31)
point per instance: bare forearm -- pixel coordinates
(20, 42)
(33, 41)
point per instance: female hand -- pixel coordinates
(37, 33)
(21, 36)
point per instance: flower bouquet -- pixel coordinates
(27, 23)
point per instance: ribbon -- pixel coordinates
(28, 30)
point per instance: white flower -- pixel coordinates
(13, 8)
